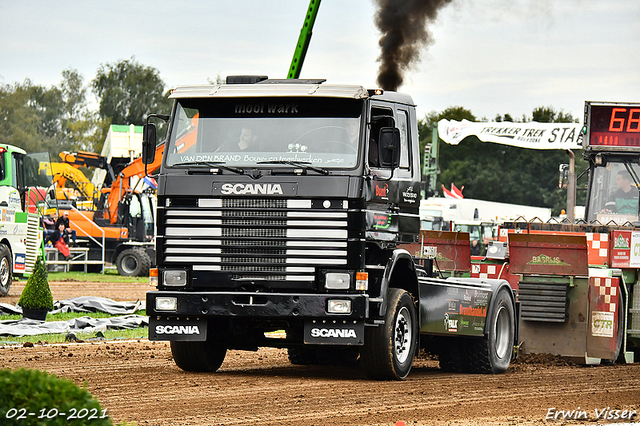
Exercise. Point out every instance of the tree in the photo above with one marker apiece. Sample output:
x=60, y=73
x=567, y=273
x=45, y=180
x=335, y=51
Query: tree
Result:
x=18, y=122
x=128, y=91
x=54, y=119
x=37, y=293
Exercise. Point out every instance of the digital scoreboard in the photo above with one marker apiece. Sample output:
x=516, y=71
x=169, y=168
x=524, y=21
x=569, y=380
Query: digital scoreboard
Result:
x=612, y=126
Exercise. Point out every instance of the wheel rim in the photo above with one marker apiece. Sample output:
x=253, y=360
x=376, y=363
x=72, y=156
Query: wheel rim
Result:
x=129, y=264
x=502, y=327
x=4, y=272
x=402, y=338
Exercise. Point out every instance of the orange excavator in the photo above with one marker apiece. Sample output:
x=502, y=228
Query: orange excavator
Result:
x=123, y=214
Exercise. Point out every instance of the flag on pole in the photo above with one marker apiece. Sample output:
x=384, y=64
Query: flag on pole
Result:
x=150, y=182
x=457, y=192
x=454, y=193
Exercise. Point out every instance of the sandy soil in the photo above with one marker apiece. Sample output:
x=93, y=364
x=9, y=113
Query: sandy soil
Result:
x=138, y=381
x=121, y=292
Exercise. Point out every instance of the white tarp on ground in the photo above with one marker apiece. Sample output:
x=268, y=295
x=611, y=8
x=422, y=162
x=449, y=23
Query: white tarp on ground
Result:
x=532, y=135
x=29, y=327
x=83, y=304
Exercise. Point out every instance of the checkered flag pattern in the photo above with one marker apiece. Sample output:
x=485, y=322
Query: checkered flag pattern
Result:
x=598, y=248
x=484, y=271
x=607, y=291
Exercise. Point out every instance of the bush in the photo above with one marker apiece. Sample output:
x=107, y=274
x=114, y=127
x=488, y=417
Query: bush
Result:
x=32, y=391
x=37, y=293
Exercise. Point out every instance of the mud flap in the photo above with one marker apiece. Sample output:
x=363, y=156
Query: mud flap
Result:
x=325, y=332
x=174, y=329
x=603, y=317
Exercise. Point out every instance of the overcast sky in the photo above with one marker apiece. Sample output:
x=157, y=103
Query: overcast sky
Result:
x=489, y=56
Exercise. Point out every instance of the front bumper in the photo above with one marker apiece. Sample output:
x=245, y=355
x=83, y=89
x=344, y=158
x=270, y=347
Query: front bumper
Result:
x=258, y=305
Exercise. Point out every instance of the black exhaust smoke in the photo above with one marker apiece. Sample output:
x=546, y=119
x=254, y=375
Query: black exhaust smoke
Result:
x=403, y=26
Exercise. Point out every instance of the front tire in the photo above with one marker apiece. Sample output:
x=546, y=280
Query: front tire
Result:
x=6, y=270
x=133, y=262
x=198, y=356
x=389, y=349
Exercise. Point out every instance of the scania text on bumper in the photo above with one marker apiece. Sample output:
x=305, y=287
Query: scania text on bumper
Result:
x=193, y=329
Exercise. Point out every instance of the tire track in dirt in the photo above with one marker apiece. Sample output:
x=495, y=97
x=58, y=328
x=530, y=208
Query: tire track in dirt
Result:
x=138, y=381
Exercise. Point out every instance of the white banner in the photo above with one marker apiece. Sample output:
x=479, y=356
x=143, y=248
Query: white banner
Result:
x=530, y=135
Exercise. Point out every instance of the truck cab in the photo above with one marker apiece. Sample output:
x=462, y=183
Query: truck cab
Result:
x=20, y=234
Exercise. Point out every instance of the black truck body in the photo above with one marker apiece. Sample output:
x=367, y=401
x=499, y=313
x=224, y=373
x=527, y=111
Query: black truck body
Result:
x=292, y=205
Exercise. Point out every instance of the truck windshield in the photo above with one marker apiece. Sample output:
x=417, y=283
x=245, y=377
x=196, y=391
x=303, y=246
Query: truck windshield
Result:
x=614, y=193
x=323, y=132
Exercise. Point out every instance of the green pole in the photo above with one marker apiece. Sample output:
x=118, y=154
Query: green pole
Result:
x=430, y=170
x=303, y=40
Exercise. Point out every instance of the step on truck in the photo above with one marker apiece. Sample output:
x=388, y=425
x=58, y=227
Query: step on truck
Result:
x=288, y=216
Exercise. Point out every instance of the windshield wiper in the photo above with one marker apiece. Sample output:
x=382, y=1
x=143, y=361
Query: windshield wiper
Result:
x=213, y=165
x=302, y=164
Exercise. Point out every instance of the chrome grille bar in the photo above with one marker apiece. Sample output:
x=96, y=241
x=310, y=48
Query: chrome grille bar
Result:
x=256, y=239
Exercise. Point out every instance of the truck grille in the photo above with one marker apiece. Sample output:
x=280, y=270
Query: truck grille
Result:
x=257, y=239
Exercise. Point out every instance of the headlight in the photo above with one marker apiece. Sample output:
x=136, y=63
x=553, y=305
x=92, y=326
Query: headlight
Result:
x=166, y=303
x=337, y=281
x=339, y=306
x=175, y=278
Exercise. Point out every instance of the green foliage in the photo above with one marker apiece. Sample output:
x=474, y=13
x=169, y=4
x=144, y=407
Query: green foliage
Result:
x=37, y=293
x=33, y=391
x=129, y=91
x=57, y=118
x=110, y=276
x=52, y=119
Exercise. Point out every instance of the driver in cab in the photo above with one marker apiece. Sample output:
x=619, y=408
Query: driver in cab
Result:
x=624, y=200
x=246, y=141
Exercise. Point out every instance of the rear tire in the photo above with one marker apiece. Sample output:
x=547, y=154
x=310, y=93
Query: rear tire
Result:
x=389, y=349
x=6, y=270
x=492, y=354
x=618, y=355
x=133, y=262
x=198, y=356
x=450, y=355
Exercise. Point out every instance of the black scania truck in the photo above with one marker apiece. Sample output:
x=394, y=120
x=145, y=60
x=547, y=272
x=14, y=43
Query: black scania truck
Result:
x=291, y=206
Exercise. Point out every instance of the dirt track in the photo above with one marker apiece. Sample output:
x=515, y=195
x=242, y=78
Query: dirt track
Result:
x=138, y=381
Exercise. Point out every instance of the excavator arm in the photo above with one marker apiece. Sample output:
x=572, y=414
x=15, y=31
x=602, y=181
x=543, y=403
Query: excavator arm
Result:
x=122, y=183
x=64, y=171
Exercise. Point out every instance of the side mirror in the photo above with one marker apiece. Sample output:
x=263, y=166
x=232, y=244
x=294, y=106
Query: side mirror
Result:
x=563, y=175
x=389, y=147
x=148, y=143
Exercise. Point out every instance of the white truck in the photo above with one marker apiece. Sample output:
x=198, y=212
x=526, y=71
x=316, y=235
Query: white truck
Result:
x=20, y=233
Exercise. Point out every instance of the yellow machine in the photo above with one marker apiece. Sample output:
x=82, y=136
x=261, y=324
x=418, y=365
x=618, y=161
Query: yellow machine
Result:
x=82, y=189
